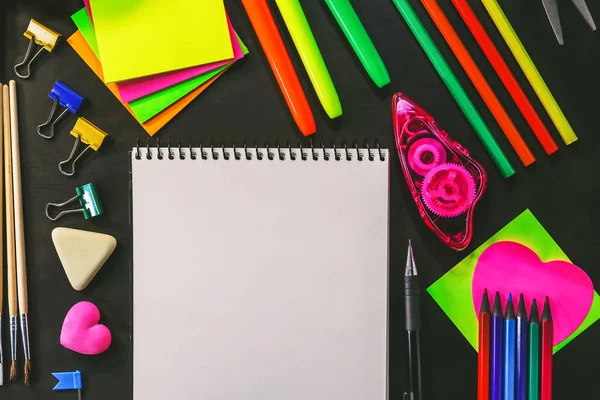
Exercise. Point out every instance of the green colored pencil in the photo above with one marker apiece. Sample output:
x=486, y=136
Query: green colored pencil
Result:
x=534, y=353
x=461, y=97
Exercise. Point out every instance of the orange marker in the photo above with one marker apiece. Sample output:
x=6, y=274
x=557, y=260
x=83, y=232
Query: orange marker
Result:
x=268, y=35
x=484, y=89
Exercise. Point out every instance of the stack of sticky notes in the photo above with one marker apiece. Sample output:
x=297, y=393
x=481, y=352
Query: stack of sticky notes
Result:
x=156, y=56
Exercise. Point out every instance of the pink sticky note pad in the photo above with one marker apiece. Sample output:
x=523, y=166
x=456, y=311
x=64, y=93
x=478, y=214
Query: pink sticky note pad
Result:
x=510, y=267
x=135, y=88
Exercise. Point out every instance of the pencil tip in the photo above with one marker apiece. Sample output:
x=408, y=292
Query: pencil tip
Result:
x=521, y=311
x=485, y=303
x=510, y=297
x=546, y=313
x=497, y=311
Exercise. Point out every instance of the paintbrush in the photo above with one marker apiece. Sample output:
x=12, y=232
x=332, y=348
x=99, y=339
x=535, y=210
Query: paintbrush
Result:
x=19, y=231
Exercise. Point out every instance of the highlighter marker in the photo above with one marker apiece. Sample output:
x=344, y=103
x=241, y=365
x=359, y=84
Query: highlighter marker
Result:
x=268, y=35
x=309, y=52
x=360, y=41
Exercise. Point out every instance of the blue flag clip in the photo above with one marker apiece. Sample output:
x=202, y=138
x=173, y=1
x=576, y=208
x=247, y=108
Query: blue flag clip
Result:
x=68, y=381
x=64, y=97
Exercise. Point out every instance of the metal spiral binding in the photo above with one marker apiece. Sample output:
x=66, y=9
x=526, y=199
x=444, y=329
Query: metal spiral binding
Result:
x=271, y=153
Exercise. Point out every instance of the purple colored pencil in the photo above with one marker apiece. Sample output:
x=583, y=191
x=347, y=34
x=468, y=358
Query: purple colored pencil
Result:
x=522, y=354
x=496, y=350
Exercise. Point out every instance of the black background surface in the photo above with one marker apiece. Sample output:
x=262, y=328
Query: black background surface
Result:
x=562, y=191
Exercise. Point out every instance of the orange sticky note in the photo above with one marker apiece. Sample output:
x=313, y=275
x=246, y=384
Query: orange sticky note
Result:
x=153, y=125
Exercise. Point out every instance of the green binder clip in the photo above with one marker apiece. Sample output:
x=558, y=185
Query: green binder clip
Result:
x=91, y=206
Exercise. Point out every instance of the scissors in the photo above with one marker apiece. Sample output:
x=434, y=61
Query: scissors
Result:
x=551, y=7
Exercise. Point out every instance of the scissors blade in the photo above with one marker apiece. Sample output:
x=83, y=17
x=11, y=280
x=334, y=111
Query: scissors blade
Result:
x=583, y=9
x=551, y=7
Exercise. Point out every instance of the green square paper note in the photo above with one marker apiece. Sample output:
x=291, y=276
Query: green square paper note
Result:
x=452, y=291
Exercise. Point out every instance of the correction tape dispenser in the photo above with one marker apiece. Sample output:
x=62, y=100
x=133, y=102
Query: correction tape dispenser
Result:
x=445, y=182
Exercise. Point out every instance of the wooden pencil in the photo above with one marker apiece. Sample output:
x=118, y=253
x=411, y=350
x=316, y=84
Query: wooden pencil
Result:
x=19, y=231
x=11, y=273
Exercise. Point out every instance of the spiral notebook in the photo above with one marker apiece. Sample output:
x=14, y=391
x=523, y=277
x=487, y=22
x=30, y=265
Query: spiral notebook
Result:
x=260, y=274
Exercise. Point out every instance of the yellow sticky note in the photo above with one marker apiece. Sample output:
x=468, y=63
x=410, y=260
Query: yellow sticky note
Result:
x=145, y=37
x=152, y=126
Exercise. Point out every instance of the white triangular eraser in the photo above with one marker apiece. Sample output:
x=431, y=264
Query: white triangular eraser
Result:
x=82, y=253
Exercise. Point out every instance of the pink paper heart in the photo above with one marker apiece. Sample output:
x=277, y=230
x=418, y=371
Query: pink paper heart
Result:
x=81, y=331
x=509, y=267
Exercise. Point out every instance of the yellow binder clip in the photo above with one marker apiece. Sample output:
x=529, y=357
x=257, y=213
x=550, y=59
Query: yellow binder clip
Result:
x=40, y=35
x=87, y=133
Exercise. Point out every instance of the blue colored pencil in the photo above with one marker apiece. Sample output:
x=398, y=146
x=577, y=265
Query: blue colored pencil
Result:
x=510, y=333
x=522, y=354
x=496, y=350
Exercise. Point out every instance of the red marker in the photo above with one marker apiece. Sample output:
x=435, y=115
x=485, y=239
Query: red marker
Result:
x=547, y=340
x=268, y=35
x=483, y=392
x=507, y=78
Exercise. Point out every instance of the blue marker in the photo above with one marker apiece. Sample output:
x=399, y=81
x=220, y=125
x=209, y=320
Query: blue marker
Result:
x=68, y=381
x=510, y=333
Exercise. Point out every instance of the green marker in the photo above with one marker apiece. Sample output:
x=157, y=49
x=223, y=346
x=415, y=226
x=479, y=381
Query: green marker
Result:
x=461, y=97
x=307, y=47
x=360, y=41
x=534, y=353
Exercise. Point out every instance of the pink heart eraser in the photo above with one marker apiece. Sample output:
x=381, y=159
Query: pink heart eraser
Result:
x=81, y=331
x=510, y=267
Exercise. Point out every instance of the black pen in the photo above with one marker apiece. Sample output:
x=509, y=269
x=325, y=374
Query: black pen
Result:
x=413, y=326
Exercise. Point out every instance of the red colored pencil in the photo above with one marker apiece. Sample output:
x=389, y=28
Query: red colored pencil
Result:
x=547, y=339
x=268, y=35
x=507, y=78
x=483, y=392
x=482, y=86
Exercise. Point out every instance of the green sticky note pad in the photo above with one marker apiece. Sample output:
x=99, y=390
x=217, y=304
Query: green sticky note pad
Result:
x=141, y=38
x=454, y=291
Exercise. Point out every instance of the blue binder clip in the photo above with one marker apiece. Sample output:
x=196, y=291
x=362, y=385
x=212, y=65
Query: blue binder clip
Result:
x=68, y=381
x=65, y=97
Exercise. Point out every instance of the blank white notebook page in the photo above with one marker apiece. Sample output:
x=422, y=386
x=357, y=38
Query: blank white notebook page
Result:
x=260, y=279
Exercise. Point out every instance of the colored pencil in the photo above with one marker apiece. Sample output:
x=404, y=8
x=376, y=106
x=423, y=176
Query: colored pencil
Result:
x=534, y=353
x=270, y=40
x=457, y=91
x=521, y=362
x=510, y=327
x=530, y=70
x=360, y=41
x=483, y=388
x=496, y=354
x=506, y=76
x=547, y=326
x=479, y=81
x=308, y=49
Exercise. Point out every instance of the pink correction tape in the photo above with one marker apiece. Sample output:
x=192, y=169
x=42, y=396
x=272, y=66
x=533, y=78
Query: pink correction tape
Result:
x=444, y=180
